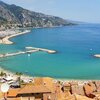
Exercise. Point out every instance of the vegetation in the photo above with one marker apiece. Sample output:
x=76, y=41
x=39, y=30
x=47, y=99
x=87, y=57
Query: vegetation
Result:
x=2, y=73
x=15, y=15
x=19, y=73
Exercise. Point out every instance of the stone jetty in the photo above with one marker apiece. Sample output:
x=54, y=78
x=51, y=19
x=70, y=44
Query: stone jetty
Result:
x=45, y=50
x=97, y=55
x=32, y=50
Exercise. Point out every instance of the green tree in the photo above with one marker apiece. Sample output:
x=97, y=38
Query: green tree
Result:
x=2, y=73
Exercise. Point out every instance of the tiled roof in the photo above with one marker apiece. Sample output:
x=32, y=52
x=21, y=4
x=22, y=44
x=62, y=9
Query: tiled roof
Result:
x=1, y=95
x=13, y=92
x=34, y=89
x=47, y=81
x=14, y=98
x=78, y=97
x=40, y=81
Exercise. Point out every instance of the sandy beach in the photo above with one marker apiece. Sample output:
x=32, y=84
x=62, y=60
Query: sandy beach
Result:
x=6, y=40
x=80, y=81
x=14, y=75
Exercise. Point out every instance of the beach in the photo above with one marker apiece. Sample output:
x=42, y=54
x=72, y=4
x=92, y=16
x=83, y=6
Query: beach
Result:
x=28, y=79
x=15, y=75
x=6, y=40
x=63, y=80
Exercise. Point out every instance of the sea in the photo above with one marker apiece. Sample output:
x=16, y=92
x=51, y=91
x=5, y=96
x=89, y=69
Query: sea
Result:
x=76, y=46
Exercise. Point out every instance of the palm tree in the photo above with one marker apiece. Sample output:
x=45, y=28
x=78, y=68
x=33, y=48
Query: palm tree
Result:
x=2, y=73
x=19, y=74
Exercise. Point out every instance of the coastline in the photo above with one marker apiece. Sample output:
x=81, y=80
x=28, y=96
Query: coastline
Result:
x=10, y=73
x=80, y=81
x=6, y=40
x=62, y=79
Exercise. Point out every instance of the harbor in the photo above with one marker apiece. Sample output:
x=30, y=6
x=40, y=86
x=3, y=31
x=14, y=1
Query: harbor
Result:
x=28, y=50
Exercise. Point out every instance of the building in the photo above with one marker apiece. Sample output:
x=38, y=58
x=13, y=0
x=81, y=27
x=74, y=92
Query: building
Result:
x=40, y=89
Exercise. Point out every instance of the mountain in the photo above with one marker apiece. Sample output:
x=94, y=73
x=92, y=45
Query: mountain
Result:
x=14, y=15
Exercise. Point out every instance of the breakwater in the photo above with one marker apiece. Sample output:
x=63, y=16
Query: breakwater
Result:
x=97, y=55
x=27, y=51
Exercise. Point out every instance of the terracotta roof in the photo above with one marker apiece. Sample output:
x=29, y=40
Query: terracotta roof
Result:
x=1, y=95
x=40, y=81
x=78, y=97
x=14, y=98
x=88, y=89
x=48, y=82
x=67, y=84
x=13, y=92
x=77, y=89
x=34, y=89
x=73, y=83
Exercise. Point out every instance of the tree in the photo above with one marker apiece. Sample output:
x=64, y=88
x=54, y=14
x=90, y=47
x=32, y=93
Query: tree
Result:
x=19, y=77
x=2, y=73
x=19, y=73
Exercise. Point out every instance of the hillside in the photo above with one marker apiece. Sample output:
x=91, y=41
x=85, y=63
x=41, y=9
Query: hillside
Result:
x=15, y=15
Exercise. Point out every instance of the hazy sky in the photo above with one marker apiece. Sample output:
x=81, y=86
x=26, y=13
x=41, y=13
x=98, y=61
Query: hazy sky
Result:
x=78, y=10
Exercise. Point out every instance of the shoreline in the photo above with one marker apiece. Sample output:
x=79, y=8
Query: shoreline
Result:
x=6, y=40
x=11, y=73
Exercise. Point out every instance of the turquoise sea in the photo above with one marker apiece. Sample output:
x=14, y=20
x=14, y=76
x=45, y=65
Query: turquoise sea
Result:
x=75, y=46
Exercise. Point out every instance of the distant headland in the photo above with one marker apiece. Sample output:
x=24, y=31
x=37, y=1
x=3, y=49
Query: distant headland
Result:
x=13, y=16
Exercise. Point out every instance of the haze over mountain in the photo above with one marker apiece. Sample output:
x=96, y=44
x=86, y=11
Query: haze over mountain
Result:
x=12, y=14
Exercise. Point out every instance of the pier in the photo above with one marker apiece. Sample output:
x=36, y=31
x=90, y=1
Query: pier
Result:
x=27, y=51
x=45, y=50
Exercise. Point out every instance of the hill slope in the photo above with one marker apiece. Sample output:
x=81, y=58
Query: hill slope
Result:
x=12, y=14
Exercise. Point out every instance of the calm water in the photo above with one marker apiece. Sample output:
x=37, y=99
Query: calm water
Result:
x=73, y=60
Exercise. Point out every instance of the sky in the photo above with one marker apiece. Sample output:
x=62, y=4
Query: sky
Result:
x=76, y=10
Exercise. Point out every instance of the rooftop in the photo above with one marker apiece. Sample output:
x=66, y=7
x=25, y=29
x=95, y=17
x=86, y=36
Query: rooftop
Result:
x=34, y=89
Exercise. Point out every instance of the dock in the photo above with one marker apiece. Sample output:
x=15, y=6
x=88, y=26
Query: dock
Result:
x=27, y=51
